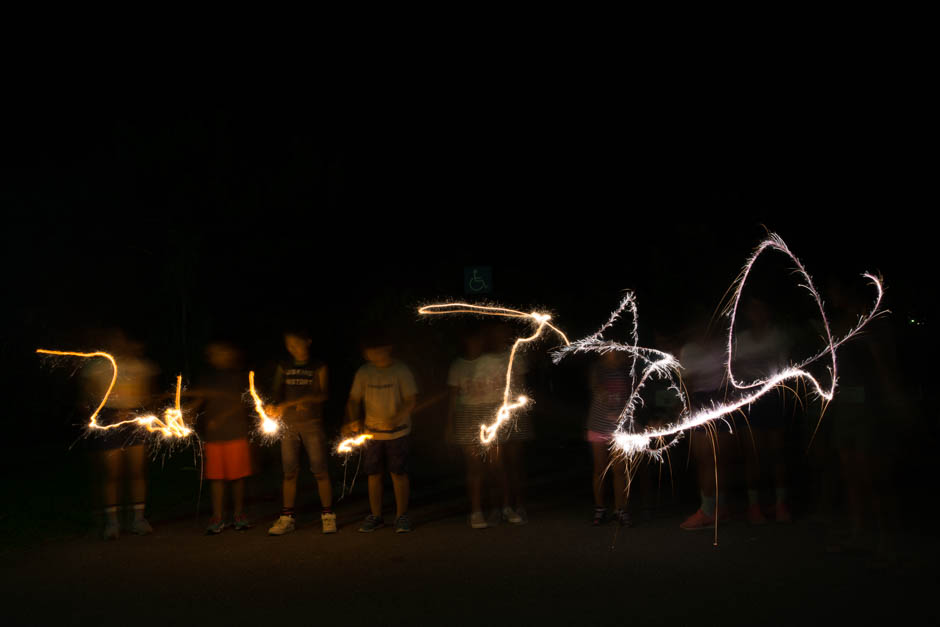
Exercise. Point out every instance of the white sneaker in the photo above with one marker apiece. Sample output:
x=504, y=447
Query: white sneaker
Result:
x=329, y=522
x=510, y=516
x=284, y=524
x=478, y=521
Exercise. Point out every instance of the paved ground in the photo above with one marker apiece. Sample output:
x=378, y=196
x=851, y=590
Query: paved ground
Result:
x=555, y=570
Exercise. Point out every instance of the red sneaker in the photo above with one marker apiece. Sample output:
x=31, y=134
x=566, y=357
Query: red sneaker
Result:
x=783, y=513
x=698, y=520
x=755, y=516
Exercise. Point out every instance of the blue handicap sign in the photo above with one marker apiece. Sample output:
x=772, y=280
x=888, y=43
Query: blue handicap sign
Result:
x=478, y=280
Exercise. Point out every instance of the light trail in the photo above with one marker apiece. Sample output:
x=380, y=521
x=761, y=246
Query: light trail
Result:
x=347, y=445
x=664, y=366
x=269, y=426
x=489, y=432
x=172, y=425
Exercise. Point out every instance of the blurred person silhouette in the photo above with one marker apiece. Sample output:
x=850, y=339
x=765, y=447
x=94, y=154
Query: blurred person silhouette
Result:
x=300, y=390
x=227, y=456
x=760, y=350
x=611, y=385
x=508, y=450
x=869, y=417
x=122, y=451
x=385, y=388
x=702, y=360
x=475, y=384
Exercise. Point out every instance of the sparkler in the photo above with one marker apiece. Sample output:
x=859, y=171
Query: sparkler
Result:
x=347, y=445
x=506, y=409
x=172, y=424
x=269, y=426
x=658, y=364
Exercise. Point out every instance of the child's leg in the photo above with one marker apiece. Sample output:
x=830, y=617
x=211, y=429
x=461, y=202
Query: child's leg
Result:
x=112, y=463
x=402, y=488
x=599, y=452
x=315, y=443
x=619, y=471
x=474, y=478
x=290, y=463
x=513, y=463
x=375, y=494
x=238, y=496
x=136, y=457
x=218, y=493
x=397, y=454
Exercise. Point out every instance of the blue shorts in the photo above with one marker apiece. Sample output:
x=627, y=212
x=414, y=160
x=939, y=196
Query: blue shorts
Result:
x=393, y=454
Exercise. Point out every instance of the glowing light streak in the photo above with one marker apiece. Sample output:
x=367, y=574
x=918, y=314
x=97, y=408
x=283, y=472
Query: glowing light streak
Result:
x=269, y=426
x=347, y=445
x=489, y=432
x=172, y=424
x=662, y=365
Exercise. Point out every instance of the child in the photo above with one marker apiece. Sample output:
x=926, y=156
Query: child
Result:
x=227, y=455
x=300, y=388
x=610, y=389
x=123, y=450
x=476, y=388
x=387, y=389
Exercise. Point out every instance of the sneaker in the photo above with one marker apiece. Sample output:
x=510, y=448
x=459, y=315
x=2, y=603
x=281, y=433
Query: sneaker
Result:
x=141, y=527
x=215, y=526
x=755, y=516
x=623, y=517
x=478, y=520
x=600, y=516
x=402, y=524
x=783, y=513
x=698, y=520
x=112, y=530
x=284, y=524
x=328, y=520
x=512, y=517
x=371, y=523
x=241, y=523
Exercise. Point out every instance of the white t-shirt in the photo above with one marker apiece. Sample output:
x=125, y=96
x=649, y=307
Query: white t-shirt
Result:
x=383, y=391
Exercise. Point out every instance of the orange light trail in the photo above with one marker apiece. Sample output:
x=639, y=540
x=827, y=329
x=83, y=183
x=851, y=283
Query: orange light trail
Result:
x=269, y=425
x=346, y=446
x=489, y=432
x=172, y=424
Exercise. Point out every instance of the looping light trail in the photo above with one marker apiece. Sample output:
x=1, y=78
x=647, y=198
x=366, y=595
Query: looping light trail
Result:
x=489, y=432
x=269, y=426
x=172, y=425
x=664, y=366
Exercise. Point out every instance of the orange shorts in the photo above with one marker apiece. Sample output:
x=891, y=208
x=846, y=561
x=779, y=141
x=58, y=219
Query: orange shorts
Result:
x=228, y=460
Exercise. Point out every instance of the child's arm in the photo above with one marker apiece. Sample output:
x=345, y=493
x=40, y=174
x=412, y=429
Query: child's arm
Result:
x=353, y=424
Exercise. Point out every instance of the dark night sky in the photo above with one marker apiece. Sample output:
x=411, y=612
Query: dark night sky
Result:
x=184, y=225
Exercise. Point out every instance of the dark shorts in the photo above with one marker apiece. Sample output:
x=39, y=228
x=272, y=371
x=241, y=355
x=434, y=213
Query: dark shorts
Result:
x=391, y=455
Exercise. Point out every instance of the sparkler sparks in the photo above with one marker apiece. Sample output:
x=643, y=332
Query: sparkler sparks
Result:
x=663, y=365
x=347, y=445
x=489, y=432
x=269, y=426
x=172, y=424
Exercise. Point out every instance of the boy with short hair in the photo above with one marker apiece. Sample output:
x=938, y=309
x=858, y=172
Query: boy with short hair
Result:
x=300, y=389
x=386, y=387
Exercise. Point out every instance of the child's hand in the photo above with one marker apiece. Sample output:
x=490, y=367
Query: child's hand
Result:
x=351, y=428
x=272, y=410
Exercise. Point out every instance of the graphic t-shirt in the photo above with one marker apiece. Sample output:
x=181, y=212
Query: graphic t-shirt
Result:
x=293, y=381
x=383, y=391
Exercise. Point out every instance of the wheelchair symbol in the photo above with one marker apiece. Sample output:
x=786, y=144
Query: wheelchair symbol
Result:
x=476, y=282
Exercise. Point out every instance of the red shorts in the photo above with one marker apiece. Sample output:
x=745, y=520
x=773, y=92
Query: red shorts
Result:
x=228, y=460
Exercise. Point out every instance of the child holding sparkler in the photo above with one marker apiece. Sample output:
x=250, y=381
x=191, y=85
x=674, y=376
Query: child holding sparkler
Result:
x=387, y=389
x=228, y=458
x=300, y=389
x=475, y=382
